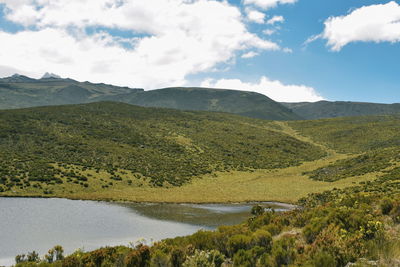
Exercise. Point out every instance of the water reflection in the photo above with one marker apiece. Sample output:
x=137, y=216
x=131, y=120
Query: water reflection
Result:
x=29, y=224
x=208, y=215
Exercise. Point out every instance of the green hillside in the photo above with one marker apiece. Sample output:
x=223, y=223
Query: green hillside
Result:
x=105, y=144
x=327, y=109
x=372, y=141
x=243, y=103
x=353, y=134
x=21, y=92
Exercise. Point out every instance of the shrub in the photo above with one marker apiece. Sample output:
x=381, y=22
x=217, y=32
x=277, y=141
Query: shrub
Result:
x=257, y=210
x=204, y=259
x=70, y=261
x=177, y=257
x=263, y=239
x=323, y=259
x=139, y=257
x=272, y=228
x=237, y=242
x=159, y=259
x=243, y=258
x=283, y=251
x=386, y=206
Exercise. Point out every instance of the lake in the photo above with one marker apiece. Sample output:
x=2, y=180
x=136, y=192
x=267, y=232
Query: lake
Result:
x=28, y=224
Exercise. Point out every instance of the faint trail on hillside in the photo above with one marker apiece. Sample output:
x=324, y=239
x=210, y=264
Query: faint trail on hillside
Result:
x=295, y=134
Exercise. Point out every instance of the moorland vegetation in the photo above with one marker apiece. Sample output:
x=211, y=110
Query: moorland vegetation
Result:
x=100, y=146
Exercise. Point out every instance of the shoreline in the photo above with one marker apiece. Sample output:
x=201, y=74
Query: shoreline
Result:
x=288, y=206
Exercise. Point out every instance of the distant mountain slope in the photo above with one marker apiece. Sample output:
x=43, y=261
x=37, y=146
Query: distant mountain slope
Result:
x=20, y=91
x=243, y=103
x=327, y=109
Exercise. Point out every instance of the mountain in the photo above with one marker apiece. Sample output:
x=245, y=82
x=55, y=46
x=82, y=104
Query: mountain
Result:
x=48, y=75
x=17, y=78
x=243, y=103
x=327, y=109
x=20, y=92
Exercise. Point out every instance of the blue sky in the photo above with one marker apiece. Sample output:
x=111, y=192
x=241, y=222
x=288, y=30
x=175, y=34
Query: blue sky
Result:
x=234, y=44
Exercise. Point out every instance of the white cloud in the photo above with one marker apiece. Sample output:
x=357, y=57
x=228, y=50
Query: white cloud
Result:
x=6, y=71
x=177, y=41
x=271, y=88
x=269, y=31
x=266, y=4
x=250, y=54
x=374, y=23
x=287, y=50
x=275, y=19
x=255, y=16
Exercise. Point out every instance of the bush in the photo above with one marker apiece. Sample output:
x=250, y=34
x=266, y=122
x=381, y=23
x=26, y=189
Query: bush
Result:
x=257, y=210
x=263, y=239
x=70, y=261
x=159, y=259
x=237, y=242
x=139, y=257
x=283, y=251
x=272, y=228
x=323, y=259
x=386, y=206
x=200, y=258
x=177, y=257
x=243, y=258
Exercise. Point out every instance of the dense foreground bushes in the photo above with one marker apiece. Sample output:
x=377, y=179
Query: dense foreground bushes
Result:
x=335, y=228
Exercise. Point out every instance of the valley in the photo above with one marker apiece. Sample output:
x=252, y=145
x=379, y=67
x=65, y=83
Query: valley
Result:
x=67, y=152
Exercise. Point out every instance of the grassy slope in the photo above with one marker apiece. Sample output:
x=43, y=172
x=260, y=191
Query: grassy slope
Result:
x=119, y=151
x=353, y=134
x=326, y=109
x=221, y=157
x=372, y=141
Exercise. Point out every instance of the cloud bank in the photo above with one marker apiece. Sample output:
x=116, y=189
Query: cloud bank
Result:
x=274, y=89
x=167, y=40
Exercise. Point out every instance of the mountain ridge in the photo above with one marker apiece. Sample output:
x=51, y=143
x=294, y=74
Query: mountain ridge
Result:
x=22, y=92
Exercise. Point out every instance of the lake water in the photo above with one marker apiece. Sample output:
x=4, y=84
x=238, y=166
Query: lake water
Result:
x=28, y=224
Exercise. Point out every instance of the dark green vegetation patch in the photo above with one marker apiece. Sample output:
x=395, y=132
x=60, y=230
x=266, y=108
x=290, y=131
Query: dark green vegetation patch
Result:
x=327, y=109
x=353, y=134
x=372, y=161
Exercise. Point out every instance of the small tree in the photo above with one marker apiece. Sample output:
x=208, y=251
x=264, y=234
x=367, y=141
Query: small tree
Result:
x=257, y=210
x=54, y=254
x=20, y=258
x=32, y=257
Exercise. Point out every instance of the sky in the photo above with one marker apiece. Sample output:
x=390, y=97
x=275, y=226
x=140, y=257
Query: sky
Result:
x=289, y=50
